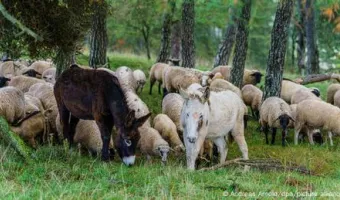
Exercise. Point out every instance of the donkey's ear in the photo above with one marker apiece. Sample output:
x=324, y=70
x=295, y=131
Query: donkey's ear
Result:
x=130, y=117
x=183, y=93
x=206, y=95
x=140, y=121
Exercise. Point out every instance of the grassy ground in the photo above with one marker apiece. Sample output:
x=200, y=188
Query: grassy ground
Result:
x=61, y=174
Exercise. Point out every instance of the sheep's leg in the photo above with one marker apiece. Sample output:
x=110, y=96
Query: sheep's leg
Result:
x=105, y=125
x=310, y=136
x=238, y=134
x=222, y=148
x=265, y=130
x=273, y=135
x=257, y=113
x=252, y=112
x=330, y=135
x=296, y=133
x=159, y=87
x=152, y=82
x=284, y=133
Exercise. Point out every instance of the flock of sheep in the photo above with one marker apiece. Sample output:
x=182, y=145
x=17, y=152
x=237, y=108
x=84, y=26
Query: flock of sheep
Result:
x=199, y=109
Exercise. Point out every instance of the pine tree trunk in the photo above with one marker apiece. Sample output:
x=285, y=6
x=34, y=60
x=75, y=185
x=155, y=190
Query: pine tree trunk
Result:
x=301, y=37
x=312, y=49
x=63, y=60
x=188, y=24
x=226, y=46
x=164, y=53
x=176, y=40
x=241, y=45
x=98, y=37
x=146, y=34
x=277, y=50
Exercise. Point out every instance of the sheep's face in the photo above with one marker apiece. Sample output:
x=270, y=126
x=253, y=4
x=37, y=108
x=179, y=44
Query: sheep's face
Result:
x=194, y=118
x=162, y=151
x=206, y=78
x=257, y=76
x=49, y=79
x=3, y=81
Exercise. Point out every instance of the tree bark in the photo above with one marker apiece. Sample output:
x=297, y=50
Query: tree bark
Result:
x=241, y=45
x=314, y=78
x=164, y=53
x=188, y=24
x=226, y=46
x=312, y=49
x=301, y=37
x=98, y=37
x=277, y=50
x=176, y=40
x=63, y=60
x=146, y=33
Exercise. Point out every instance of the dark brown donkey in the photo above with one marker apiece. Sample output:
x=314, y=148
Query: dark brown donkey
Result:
x=96, y=94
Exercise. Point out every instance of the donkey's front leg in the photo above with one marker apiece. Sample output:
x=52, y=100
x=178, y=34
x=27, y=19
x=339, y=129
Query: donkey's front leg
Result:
x=105, y=126
x=222, y=148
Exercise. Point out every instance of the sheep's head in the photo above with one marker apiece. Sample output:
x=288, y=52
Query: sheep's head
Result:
x=3, y=81
x=315, y=91
x=31, y=73
x=194, y=114
x=206, y=78
x=257, y=76
x=162, y=151
x=49, y=78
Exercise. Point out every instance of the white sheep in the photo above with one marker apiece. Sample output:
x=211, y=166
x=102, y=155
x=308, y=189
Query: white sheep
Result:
x=175, y=78
x=87, y=134
x=221, y=85
x=39, y=67
x=49, y=75
x=167, y=129
x=156, y=74
x=252, y=96
x=24, y=82
x=126, y=79
x=316, y=114
x=289, y=88
x=12, y=104
x=172, y=105
x=275, y=113
x=10, y=69
x=249, y=76
x=303, y=94
x=331, y=90
x=212, y=115
x=140, y=79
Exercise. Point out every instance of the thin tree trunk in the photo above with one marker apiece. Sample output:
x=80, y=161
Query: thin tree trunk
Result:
x=312, y=49
x=176, y=40
x=241, y=45
x=63, y=60
x=98, y=37
x=188, y=24
x=277, y=50
x=226, y=46
x=293, y=38
x=301, y=37
x=164, y=53
x=146, y=33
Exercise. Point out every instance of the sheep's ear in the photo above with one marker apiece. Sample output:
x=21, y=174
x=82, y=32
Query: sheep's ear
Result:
x=129, y=119
x=140, y=121
x=291, y=118
x=183, y=93
x=206, y=95
x=211, y=75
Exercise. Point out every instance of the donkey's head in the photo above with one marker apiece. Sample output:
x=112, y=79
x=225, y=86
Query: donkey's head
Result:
x=195, y=113
x=127, y=139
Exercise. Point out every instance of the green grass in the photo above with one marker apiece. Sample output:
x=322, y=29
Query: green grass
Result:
x=63, y=174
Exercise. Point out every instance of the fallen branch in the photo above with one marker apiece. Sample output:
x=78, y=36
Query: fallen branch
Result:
x=262, y=164
x=17, y=23
x=313, y=78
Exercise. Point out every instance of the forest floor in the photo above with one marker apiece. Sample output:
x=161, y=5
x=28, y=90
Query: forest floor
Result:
x=62, y=174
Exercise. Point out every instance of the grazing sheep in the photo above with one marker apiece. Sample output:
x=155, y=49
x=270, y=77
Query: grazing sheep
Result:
x=275, y=113
x=249, y=77
x=289, y=88
x=171, y=106
x=331, y=90
x=33, y=125
x=140, y=78
x=303, y=94
x=87, y=134
x=44, y=92
x=24, y=82
x=252, y=96
x=151, y=143
x=126, y=79
x=316, y=114
x=10, y=69
x=175, y=78
x=12, y=104
x=212, y=115
x=221, y=85
x=156, y=74
x=49, y=75
x=166, y=127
